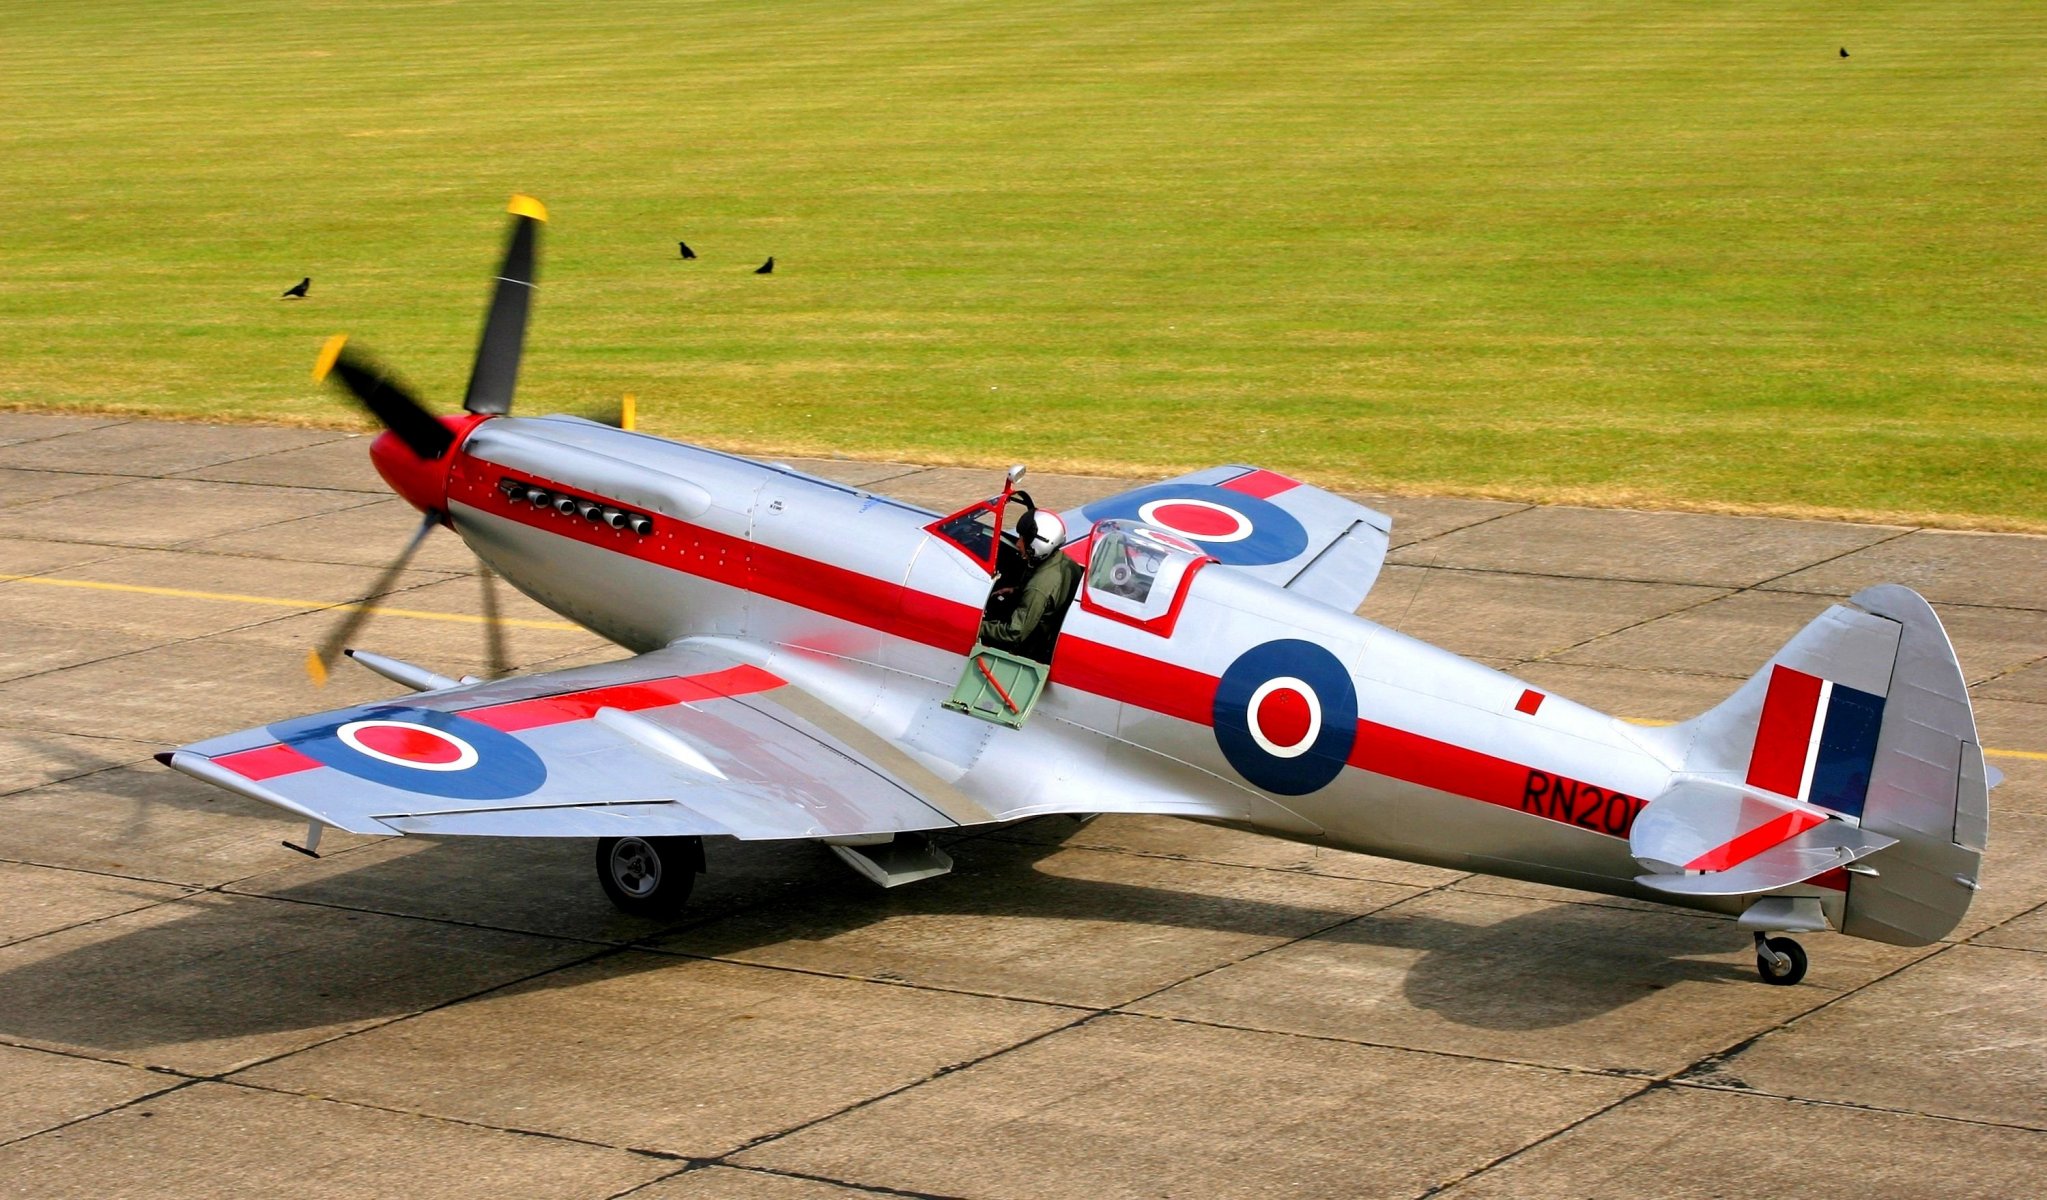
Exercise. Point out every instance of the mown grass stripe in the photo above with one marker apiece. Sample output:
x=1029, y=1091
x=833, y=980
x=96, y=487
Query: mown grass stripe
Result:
x=1648, y=253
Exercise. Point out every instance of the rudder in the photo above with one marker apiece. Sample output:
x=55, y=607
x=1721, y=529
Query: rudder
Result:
x=1930, y=788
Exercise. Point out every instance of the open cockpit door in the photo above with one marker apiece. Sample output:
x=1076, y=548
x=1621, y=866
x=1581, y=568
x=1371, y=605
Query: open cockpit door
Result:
x=998, y=686
x=995, y=685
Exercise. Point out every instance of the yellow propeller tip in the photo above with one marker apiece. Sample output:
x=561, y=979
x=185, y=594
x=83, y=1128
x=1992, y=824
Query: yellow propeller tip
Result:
x=526, y=206
x=328, y=353
x=315, y=669
x=628, y=412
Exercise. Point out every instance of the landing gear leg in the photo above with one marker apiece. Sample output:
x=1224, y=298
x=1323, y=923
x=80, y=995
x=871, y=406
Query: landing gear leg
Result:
x=649, y=877
x=1779, y=960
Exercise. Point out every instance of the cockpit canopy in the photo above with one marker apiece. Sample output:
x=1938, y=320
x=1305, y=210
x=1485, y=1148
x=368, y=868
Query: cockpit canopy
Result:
x=1136, y=573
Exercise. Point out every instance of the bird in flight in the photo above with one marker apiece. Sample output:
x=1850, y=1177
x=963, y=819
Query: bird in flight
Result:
x=1844, y=52
x=686, y=251
x=766, y=268
x=297, y=291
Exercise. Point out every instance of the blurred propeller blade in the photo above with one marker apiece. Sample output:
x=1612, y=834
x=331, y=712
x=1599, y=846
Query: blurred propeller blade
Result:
x=320, y=658
x=504, y=330
x=389, y=400
x=498, y=657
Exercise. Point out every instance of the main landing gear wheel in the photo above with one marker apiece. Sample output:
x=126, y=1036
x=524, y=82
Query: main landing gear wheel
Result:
x=649, y=877
x=1779, y=960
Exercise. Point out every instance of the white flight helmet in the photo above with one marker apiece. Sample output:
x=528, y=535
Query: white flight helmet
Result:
x=1047, y=534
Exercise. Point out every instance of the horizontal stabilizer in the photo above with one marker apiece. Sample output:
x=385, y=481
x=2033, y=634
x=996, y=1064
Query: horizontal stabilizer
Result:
x=1703, y=825
x=1819, y=849
x=1712, y=839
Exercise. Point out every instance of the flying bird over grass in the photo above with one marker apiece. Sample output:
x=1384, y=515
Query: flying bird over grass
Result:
x=297, y=291
x=766, y=268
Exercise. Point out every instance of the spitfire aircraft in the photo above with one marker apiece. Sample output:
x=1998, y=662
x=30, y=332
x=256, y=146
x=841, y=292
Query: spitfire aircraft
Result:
x=807, y=666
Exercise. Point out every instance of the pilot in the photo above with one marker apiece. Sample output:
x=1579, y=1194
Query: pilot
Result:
x=1033, y=626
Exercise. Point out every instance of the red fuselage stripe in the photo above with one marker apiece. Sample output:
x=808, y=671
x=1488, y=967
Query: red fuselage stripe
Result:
x=1413, y=758
x=736, y=562
x=1121, y=675
x=1475, y=775
x=1162, y=687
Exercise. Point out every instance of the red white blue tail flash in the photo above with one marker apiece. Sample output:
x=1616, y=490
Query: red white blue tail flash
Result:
x=1816, y=741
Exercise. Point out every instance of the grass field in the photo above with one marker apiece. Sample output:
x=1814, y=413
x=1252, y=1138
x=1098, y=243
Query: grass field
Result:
x=1648, y=253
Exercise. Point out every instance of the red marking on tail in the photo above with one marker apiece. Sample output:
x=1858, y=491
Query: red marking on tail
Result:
x=1777, y=763
x=1745, y=846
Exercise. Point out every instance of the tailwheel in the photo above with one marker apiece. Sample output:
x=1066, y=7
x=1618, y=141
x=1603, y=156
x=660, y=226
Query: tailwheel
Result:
x=1779, y=960
x=649, y=877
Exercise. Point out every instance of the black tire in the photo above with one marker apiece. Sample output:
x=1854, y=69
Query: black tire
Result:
x=649, y=877
x=1792, y=951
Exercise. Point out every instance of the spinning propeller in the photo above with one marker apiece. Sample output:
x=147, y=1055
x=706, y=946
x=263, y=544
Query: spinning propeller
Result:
x=411, y=453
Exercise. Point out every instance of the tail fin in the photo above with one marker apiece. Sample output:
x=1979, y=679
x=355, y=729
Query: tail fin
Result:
x=1856, y=740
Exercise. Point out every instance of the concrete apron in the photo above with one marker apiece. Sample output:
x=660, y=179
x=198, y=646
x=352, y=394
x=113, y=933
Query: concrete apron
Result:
x=1134, y=1007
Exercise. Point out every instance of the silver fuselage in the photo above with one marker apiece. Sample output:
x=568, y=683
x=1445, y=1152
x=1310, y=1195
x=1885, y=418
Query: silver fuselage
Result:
x=851, y=598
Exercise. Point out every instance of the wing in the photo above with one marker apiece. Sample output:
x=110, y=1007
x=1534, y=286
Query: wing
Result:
x=678, y=741
x=1302, y=538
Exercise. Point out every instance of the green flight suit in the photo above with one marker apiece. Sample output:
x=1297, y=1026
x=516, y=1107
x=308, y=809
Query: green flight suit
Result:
x=1034, y=626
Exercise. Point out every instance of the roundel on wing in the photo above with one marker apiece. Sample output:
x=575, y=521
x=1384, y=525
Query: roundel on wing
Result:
x=1240, y=530
x=418, y=750
x=1286, y=714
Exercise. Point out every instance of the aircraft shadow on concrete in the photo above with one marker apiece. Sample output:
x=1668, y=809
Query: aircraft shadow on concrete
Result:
x=1557, y=965
x=234, y=966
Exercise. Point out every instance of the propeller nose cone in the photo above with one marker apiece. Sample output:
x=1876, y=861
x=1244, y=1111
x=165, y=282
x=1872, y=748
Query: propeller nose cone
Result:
x=423, y=482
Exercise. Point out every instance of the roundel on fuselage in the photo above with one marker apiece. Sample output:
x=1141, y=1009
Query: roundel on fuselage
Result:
x=1286, y=714
x=1237, y=529
x=418, y=750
